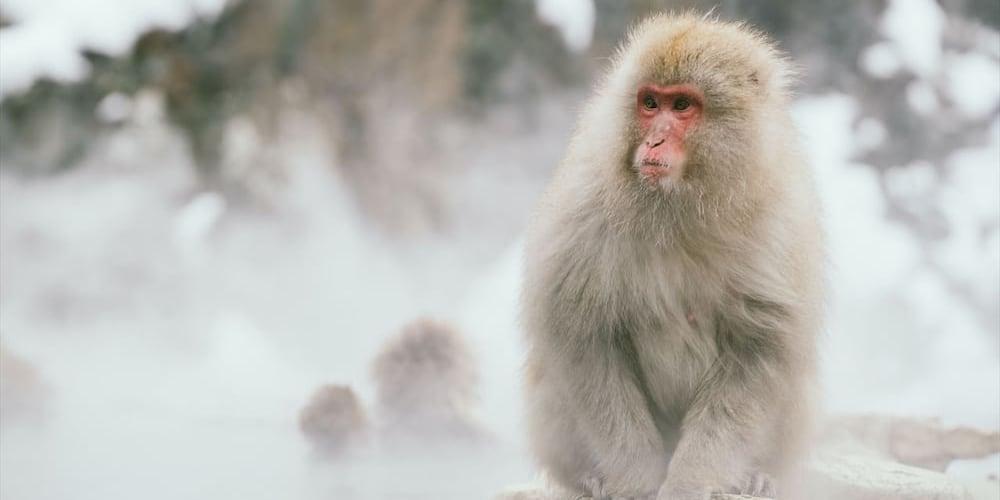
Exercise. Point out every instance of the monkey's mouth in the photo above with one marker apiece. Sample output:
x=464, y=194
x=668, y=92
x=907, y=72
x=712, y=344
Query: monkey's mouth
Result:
x=653, y=171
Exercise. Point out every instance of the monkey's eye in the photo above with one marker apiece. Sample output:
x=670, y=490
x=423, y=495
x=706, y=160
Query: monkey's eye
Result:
x=682, y=103
x=649, y=102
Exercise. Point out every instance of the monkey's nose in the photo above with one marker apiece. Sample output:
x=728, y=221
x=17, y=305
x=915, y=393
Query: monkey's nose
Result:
x=654, y=142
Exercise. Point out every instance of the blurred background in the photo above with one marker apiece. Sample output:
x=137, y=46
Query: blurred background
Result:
x=211, y=208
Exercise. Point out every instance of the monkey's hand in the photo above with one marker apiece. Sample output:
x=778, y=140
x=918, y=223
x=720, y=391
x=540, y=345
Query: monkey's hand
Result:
x=757, y=484
x=597, y=493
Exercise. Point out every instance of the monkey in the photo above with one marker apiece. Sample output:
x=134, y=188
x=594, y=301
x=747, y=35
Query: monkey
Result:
x=24, y=391
x=426, y=387
x=674, y=276
x=334, y=421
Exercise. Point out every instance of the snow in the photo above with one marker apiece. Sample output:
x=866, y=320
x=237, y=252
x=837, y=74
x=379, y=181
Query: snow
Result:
x=28, y=53
x=880, y=60
x=114, y=108
x=573, y=18
x=968, y=199
x=922, y=97
x=900, y=341
x=195, y=222
x=973, y=83
x=870, y=133
x=913, y=31
x=915, y=28
x=48, y=36
x=918, y=179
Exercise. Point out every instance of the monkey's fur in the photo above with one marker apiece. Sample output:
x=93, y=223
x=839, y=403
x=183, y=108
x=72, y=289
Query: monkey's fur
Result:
x=671, y=333
x=333, y=421
x=426, y=386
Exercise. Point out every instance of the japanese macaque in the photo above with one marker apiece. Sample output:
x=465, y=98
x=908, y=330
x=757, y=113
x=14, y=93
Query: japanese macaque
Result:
x=674, y=276
x=24, y=393
x=334, y=421
x=425, y=381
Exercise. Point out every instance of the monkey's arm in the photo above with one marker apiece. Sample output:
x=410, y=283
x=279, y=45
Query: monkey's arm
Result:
x=737, y=420
x=612, y=443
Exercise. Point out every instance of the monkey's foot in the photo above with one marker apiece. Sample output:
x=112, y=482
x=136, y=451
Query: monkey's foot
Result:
x=758, y=485
x=596, y=488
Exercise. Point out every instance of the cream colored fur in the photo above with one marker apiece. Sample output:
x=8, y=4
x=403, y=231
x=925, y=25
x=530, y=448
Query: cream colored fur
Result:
x=672, y=332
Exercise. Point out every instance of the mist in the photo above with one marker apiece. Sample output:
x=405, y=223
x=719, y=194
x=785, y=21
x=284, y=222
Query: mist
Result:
x=175, y=322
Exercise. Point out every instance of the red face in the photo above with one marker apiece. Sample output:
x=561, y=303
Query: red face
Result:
x=665, y=116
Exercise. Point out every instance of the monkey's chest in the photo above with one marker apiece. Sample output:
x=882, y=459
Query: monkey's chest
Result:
x=651, y=306
x=671, y=326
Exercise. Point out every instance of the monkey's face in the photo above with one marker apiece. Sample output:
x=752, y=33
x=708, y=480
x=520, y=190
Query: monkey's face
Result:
x=699, y=99
x=665, y=116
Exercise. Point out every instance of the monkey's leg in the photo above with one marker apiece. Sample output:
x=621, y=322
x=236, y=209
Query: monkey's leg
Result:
x=598, y=411
x=720, y=441
x=618, y=428
x=743, y=416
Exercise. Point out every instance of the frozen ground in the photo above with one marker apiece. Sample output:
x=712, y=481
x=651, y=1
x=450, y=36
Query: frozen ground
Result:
x=48, y=35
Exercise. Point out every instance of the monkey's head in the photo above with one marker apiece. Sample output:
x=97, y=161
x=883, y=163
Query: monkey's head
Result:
x=334, y=419
x=701, y=97
x=426, y=369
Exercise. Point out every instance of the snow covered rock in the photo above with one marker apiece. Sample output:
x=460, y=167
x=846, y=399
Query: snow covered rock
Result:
x=858, y=461
x=860, y=477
